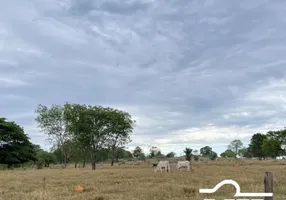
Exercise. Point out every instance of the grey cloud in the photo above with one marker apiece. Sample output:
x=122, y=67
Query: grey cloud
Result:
x=202, y=60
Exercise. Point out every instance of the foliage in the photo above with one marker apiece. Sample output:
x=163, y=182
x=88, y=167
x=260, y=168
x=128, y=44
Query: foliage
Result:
x=170, y=155
x=155, y=152
x=206, y=151
x=188, y=153
x=40, y=163
x=228, y=154
x=120, y=126
x=213, y=155
x=255, y=146
x=244, y=152
x=137, y=153
x=51, y=121
x=235, y=146
x=97, y=127
x=47, y=157
x=15, y=145
x=271, y=147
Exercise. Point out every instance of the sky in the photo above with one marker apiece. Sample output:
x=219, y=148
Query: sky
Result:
x=190, y=72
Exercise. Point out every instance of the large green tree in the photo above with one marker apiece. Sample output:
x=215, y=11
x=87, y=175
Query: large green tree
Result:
x=15, y=145
x=51, y=121
x=271, y=147
x=255, y=146
x=120, y=126
x=97, y=127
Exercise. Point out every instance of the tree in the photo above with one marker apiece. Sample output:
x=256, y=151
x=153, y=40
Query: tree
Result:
x=279, y=135
x=137, y=153
x=235, y=146
x=119, y=130
x=206, y=151
x=74, y=151
x=271, y=147
x=188, y=153
x=51, y=121
x=154, y=151
x=15, y=145
x=244, y=152
x=213, y=155
x=122, y=153
x=48, y=157
x=255, y=146
x=89, y=127
x=228, y=153
x=170, y=155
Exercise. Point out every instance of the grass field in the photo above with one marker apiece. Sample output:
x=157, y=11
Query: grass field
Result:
x=140, y=182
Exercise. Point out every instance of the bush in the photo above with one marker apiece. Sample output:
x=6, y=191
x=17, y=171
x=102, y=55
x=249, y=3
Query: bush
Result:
x=40, y=163
x=213, y=156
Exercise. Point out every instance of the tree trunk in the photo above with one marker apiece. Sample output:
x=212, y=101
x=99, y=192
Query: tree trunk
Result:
x=65, y=162
x=93, y=166
x=113, y=155
x=75, y=165
x=83, y=163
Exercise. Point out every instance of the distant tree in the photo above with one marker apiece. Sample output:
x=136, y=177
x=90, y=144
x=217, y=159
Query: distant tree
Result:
x=213, y=155
x=51, y=121
x=47, y=157
x=15, y=145
x=122, y=154
x=229, y=153
x=137, y=153
x=255, y=146
x=223, y=155
x=154, y=152
x=206, y=151
x=188, y=153
x=244, y=152
x=271, y=147
x=235, y=146
x=170, y=155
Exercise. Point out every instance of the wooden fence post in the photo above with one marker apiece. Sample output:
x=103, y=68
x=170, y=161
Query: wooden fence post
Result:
x=268, y=185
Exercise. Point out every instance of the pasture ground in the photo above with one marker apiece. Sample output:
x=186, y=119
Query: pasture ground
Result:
x=140, y=182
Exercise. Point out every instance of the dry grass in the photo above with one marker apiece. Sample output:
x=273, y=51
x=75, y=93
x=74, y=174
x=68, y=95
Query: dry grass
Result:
x=140, y=182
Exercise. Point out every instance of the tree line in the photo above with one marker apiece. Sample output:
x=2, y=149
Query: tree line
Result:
x=77, y=132
x=83, y=134
x=261, y=146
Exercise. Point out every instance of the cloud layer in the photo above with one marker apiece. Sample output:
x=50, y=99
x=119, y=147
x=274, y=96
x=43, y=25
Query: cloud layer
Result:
x=192, y=73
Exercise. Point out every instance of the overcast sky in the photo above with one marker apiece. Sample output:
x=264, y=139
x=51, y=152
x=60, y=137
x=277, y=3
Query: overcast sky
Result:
x=190, y=72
